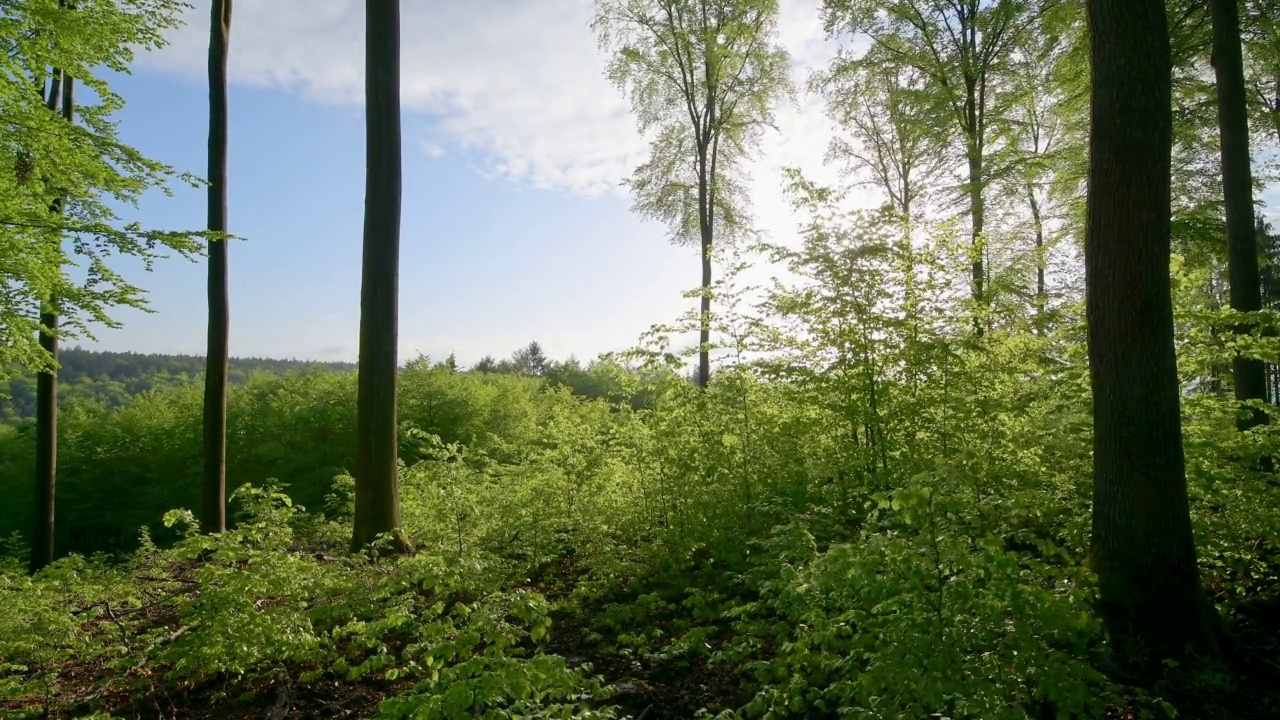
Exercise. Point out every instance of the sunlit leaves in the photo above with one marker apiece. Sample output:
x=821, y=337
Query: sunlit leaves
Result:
x=43, y=157
x=703, y=78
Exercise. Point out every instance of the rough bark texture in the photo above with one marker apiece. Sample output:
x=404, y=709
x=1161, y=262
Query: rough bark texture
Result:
x=1142, y=547
x=1237, y=187
x=377, y=498
x=213, y=516
x=42, y=543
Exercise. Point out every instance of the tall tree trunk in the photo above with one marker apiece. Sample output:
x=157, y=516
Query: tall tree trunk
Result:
x=1237, y=187
x=974, y=110
x=1038, y=224
x=977, y=211
x=213, y=517
x=42, y=544
x=1142, y=548
x=706, y=229
x=704, y=324
x=377, y=498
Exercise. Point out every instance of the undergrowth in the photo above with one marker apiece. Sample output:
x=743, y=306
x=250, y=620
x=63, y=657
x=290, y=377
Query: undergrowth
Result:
x=900, y=534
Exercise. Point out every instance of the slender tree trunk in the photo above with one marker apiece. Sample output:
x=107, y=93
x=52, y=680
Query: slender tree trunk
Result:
x=978, y=212
x=1237, y=186
x=213, y=518
x=42, y=545
x=706, y=229
x=973, y=151
x=704, y=325
x=1038, y=224
x=377, y=497
x=1142, y=547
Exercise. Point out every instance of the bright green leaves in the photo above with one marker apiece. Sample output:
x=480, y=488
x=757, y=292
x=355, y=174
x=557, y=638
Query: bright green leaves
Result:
x=42, y=156
x=916, y=616
x=703, y=79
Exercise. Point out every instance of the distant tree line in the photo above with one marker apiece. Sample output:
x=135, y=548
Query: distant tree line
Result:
x=113, y=378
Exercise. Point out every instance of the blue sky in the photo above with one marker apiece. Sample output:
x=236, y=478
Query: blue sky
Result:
x=514, y=225
x=487, y=264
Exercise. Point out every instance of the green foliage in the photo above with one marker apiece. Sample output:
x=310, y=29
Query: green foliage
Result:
x=871, y=512
x=82, y=164
x=703, y=79
x=239, y=605
x=113, y=379
x=918, y=615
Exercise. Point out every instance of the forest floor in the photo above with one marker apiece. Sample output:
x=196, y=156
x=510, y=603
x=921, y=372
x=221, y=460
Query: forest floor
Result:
x=646, y=685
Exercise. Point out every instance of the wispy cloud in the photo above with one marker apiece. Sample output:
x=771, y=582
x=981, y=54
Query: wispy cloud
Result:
x=432, y=149
x=519, y=83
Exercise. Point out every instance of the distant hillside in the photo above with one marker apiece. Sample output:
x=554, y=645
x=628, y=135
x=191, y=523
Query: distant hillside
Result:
x=113, y=377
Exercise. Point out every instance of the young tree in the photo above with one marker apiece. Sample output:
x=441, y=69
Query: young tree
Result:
x=213, y=517
x=1142, y=545
x=1036, y=129
x=703, y=76
x=377, y=496
x=1237, y=188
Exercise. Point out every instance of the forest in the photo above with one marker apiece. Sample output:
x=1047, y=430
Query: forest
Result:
x=1002, y=446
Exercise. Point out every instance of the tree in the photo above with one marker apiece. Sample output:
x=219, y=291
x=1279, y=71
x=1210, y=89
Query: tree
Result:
x=529, y=360
x=1237, y=188
x=1142, y=546
x=213, y=517
x=377, y=496
x=1262, y=43
x=703, y=77
x=486, y=364
x=84, y=161
x=884, y=109
x=961, y=49
x=1037, y=128
x=42, y=549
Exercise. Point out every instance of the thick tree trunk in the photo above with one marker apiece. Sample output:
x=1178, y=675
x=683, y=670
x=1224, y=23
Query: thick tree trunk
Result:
x=1237, y=187
x=377, y=497
x=42, y=541
x=213, y=516
x=1142, y=546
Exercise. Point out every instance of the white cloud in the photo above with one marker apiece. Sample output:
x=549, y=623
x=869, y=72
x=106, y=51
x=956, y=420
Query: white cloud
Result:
x=432, y=149
x=518, y=82
x=518, y=87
